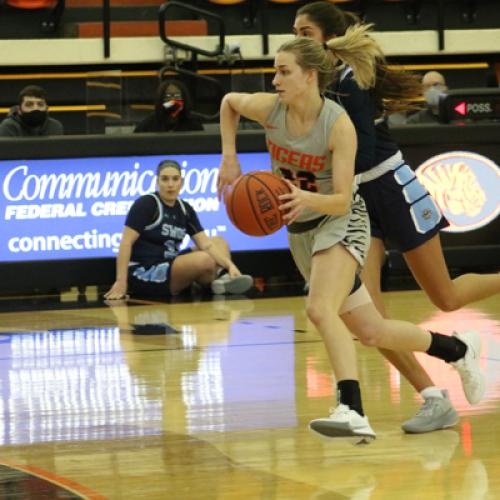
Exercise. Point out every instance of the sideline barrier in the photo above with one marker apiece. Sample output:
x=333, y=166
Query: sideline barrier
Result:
x=63, y=200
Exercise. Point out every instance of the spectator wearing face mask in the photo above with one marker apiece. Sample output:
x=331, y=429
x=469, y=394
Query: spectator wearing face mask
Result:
x=172, y=111
x=31, y=116
x=433, y=84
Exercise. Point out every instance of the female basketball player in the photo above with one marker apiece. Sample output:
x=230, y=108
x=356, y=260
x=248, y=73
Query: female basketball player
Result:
x=312, y=143
x=149, y=260
x=399, y=207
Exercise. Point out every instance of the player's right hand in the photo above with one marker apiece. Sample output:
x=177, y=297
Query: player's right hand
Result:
x=229, y=171
x=117, y=292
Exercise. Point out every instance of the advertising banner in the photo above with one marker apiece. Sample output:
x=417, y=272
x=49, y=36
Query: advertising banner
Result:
x=75, y=208
x=466, y=187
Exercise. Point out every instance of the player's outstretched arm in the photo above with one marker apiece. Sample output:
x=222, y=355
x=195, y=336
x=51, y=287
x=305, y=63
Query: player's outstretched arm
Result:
x=119, y=288
x=204, y=243
x=343, y=143
x=255, y=107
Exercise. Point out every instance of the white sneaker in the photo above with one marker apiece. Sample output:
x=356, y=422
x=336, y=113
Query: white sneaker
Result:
x=473, y=381
x=344, y=423
x=236, y=285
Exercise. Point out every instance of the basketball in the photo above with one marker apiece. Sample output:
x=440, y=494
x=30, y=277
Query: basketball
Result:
x=252, y=203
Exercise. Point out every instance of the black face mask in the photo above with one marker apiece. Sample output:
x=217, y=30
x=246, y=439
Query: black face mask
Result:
x=34, y=118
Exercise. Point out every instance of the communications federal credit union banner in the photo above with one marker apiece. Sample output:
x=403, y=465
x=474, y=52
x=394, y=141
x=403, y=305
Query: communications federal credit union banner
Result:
x=75, y=208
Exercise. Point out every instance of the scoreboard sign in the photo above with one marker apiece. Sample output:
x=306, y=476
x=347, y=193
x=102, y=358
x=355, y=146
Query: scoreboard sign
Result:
x=470, y=104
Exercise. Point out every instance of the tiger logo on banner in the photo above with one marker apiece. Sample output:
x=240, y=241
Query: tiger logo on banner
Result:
x=466, y=187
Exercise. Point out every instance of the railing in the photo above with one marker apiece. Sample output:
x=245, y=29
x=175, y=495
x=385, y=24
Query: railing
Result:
x=162, y=18
x=106, y=28
x=50, y=24
x=175, y=65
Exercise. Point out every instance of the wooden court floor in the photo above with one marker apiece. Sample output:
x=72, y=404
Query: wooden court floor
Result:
x=211, y=400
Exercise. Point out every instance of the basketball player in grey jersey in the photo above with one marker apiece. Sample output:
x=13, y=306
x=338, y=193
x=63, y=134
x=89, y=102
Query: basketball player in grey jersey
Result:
x=327, y=226
x=306, y=161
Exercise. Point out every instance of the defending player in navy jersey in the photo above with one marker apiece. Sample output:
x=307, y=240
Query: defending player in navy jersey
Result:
x=400, y=209
x=150, y=262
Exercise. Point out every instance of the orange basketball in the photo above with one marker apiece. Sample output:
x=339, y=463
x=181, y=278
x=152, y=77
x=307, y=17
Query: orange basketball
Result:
x=252, y=203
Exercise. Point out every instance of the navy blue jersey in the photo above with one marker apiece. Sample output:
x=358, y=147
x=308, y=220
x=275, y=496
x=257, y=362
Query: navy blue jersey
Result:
x=161, y=228
x=375, y=143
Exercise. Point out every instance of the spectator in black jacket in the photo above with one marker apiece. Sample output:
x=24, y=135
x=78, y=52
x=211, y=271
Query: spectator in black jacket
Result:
x=31, y=116
x=172, y=111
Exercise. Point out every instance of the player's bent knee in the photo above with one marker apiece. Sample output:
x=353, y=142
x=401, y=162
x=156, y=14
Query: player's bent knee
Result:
x=447, y=304
x=205, y=263
x=369, y=335
x=315, y=312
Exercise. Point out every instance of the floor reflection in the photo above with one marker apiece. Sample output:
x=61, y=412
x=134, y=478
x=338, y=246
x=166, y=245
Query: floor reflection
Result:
x=70, y=384
x=209, y=399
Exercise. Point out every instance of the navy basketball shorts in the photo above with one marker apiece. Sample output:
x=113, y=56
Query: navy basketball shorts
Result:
x=150, y=280
x=401, y=210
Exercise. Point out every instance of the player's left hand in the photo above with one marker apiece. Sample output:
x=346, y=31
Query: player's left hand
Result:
x=233, y=271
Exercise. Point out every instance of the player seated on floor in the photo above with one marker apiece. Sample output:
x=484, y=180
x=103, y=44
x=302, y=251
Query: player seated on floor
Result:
x=150, y=262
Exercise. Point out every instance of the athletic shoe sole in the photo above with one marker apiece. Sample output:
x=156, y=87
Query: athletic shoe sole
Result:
x=236, y=285
x=343, y=433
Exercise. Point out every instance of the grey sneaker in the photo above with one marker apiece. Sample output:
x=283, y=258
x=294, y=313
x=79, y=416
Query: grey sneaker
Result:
x=434, y=414
x=236, y=285
x=344, y=423
x=473, y=381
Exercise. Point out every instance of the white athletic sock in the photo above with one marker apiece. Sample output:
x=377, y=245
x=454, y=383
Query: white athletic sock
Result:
x=431, y=392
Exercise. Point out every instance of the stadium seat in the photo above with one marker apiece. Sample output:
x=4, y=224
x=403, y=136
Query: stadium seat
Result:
x=31, y=4
x=50, y=12
x=144, y=28
x=227, y=2
x=248, y=9
x=75, y=4
x=285, y=1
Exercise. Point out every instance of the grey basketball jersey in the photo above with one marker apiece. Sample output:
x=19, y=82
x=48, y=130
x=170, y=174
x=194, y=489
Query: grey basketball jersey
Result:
x=304, y=160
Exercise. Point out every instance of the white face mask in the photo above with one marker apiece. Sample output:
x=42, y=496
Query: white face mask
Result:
x=432, y=96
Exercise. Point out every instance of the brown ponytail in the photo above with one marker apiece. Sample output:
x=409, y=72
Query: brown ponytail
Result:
x=397, y=91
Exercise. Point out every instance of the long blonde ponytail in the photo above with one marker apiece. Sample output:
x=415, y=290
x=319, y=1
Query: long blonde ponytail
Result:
x=360, y=51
